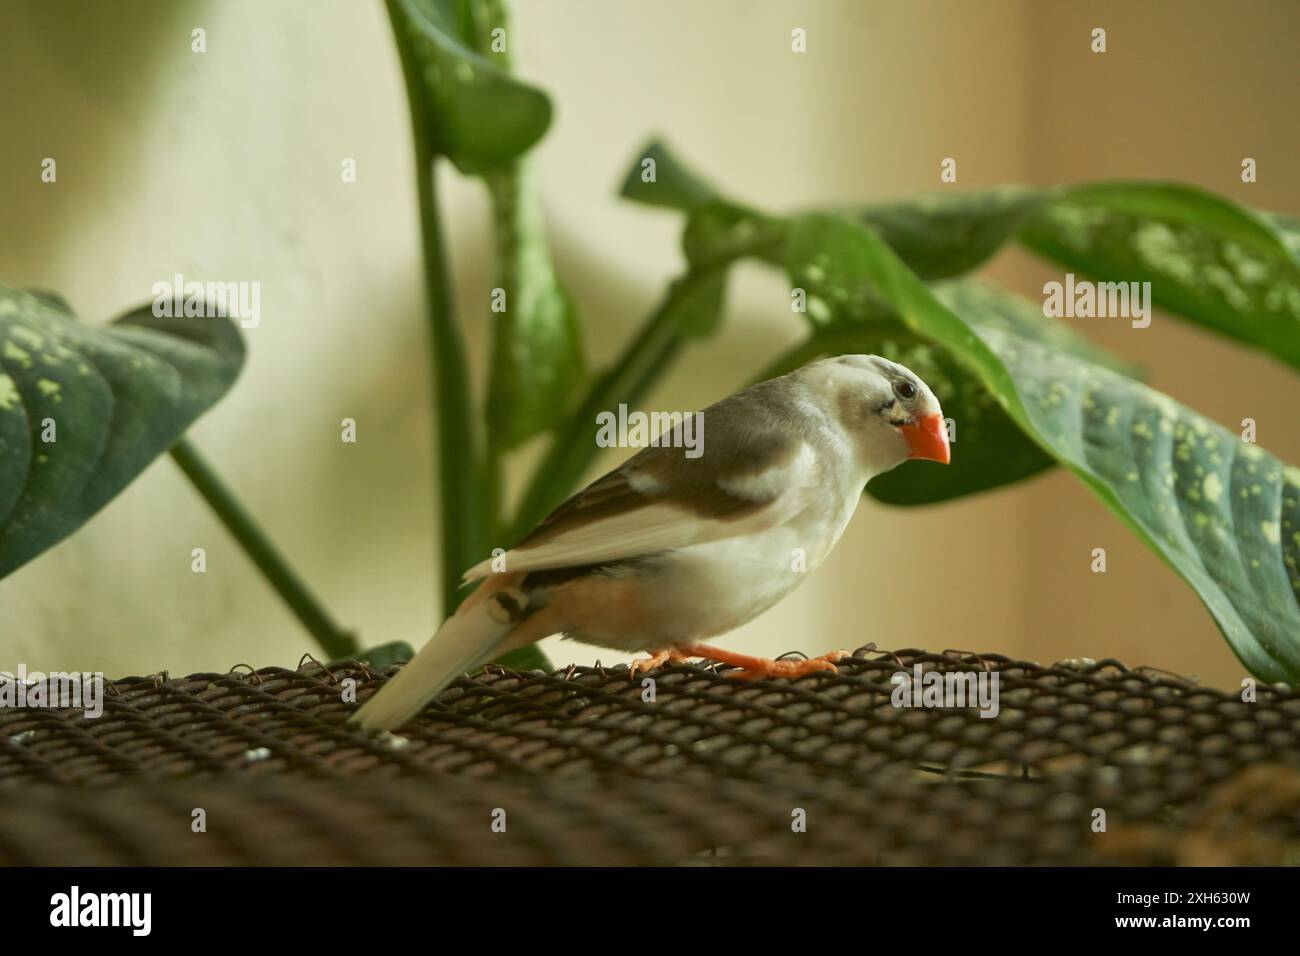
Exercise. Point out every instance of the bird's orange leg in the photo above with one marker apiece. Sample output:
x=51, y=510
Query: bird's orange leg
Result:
x=753, y=668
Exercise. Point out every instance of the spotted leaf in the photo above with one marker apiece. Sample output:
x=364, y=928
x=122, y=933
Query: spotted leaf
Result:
x=84, y=409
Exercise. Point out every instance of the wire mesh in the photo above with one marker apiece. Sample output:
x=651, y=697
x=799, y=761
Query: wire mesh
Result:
x=584, y=766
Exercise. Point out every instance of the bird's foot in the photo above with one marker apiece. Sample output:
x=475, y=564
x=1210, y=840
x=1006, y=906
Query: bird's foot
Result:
x=755, y=668
x=654, y=661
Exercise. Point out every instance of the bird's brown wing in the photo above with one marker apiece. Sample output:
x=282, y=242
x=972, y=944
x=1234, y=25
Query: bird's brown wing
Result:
x=753, y=473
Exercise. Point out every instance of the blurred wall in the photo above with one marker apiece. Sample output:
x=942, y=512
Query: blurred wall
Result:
x=226, y=165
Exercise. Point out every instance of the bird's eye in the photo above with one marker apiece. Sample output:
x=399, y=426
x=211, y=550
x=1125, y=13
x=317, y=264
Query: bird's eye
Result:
x=905, y=390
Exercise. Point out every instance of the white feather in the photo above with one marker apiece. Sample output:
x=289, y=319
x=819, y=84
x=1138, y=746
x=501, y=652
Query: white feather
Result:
x=465, y=641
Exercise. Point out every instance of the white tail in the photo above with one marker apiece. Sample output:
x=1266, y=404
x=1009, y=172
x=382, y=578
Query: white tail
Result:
x=468, y=638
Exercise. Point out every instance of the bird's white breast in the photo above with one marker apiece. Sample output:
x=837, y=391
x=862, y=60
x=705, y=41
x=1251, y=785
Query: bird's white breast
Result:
x=711, y=588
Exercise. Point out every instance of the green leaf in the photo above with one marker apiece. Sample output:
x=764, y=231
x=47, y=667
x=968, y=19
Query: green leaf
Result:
x=825, y=259
x=719, y=233
x=938, y=236
x=1224, y=266
x=995, y=309
x=945, y=235
x=537, y=359
x=116, y=397
x=1223, y=513
x=1229, y=268
x=475, y=113
x=989, y=448
x=658, y=178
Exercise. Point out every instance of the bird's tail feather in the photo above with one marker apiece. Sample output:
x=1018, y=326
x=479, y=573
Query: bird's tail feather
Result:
x=467, y=639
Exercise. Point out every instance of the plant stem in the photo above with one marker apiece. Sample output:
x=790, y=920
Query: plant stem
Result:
x=458, y=492
x=574, y=447
x=503, y=195
x=333, y=640
x=458, y=489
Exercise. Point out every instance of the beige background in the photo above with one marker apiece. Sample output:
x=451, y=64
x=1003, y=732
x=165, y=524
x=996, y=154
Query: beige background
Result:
x=226, y=165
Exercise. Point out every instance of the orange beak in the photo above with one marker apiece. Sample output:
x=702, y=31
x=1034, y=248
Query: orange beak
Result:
x=928, y=439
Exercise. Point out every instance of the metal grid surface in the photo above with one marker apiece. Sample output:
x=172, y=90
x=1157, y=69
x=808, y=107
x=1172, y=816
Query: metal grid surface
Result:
x=582, y=768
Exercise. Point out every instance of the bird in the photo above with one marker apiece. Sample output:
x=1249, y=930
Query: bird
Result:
x=672, y=549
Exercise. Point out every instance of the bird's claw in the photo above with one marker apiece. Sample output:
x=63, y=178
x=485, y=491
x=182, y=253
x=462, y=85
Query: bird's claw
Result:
x=654, y=661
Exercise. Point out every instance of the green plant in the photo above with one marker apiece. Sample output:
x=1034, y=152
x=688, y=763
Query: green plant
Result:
x=1030, y=394
x=1027, y=392
x=83, y=410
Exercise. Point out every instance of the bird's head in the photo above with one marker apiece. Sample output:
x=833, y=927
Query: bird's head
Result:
x=886, y=409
